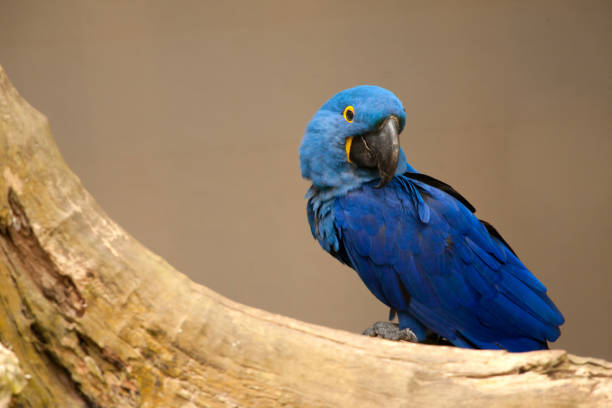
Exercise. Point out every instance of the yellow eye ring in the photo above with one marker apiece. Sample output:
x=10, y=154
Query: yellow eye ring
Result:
x=349, y=114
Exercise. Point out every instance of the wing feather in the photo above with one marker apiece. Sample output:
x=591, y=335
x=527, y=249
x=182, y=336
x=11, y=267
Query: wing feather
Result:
x=422, y=252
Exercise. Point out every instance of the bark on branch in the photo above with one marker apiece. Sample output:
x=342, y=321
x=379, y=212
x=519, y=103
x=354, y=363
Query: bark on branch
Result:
x=98, y=320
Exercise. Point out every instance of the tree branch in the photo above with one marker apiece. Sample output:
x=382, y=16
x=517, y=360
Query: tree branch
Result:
x=98, y=320
x=12, y=379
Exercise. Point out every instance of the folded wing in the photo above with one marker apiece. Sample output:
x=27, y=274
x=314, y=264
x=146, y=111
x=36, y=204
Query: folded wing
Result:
x=419, y=248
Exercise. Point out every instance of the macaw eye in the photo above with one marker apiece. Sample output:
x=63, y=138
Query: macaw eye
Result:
x=349, y=114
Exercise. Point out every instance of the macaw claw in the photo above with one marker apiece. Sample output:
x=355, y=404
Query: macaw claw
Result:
x=390, y=331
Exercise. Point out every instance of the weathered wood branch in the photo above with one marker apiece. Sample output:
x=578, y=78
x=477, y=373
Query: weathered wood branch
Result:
x=98, y=320
x=12, y=379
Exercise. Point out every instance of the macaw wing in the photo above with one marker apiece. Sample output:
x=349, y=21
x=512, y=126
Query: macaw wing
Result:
x=440, y=185
x=422, y=252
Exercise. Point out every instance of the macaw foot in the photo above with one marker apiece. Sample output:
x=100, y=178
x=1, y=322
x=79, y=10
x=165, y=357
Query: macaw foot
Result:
x=390, y=331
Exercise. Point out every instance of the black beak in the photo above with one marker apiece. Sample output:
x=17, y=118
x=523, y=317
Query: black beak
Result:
x=379, y=149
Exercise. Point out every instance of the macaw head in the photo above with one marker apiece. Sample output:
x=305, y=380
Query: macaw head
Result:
x=353, y=139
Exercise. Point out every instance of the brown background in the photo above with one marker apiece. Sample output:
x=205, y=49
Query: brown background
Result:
x=184, y=118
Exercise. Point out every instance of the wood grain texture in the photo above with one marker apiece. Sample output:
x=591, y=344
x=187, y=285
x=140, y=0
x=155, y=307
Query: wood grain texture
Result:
x=12, y=379
x=97, y=320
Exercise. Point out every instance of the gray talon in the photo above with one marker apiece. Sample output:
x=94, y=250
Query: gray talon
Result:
x=390, y=331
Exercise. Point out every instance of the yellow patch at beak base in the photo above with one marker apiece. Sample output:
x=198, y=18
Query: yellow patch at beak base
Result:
x=347, y=146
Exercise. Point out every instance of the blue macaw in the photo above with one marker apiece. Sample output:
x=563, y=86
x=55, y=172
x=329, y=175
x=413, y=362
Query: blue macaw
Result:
x=415, y=241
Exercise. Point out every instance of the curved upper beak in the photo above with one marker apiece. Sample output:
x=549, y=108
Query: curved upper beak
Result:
x=378, y=149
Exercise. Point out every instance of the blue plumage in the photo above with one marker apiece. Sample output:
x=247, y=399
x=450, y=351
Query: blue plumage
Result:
x=415, y=242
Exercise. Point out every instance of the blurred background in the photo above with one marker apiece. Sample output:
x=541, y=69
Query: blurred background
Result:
x=184, y=118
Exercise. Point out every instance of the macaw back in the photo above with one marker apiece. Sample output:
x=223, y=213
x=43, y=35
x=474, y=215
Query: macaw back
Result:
x=420, y=250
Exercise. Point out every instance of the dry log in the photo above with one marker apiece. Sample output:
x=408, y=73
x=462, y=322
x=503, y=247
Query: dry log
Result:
x=12, y=379
x=97, y=320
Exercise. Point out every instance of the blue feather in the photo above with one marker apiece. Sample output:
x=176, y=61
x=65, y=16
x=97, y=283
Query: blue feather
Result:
x=452, y=286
